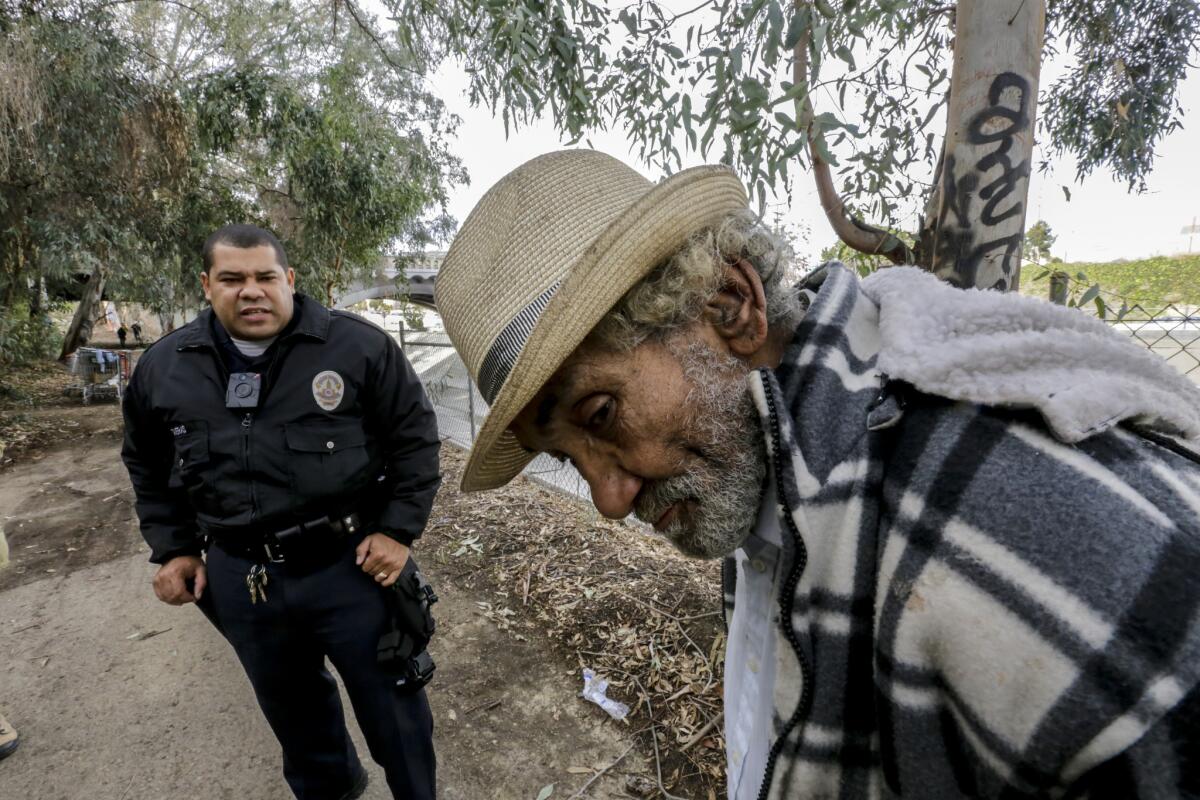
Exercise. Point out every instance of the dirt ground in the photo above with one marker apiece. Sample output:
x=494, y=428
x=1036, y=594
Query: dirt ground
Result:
x=119, y=696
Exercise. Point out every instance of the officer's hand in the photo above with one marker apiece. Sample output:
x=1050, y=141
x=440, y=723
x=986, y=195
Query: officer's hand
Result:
x=382, y=557
x=170, y=582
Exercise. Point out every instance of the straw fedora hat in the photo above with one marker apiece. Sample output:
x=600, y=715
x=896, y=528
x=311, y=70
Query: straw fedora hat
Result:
x=546, y=253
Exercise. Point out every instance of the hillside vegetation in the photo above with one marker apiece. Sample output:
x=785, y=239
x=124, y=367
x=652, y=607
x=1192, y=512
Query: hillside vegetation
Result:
x=1149, y=282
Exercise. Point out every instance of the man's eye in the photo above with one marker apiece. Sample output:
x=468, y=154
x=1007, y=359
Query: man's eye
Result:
x=602, y=415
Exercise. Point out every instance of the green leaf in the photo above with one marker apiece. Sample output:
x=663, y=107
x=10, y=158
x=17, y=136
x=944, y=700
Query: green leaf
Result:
x=1091, y=294
x=823, y=151
x=818, y=40
x=796, y=27
x=546, y=791
x=630, y=24
x=826, y=121
x=843, y=52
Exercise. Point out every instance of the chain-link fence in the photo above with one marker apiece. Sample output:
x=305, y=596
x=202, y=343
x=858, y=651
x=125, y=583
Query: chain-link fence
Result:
x=1171, y=332
x=461, y=409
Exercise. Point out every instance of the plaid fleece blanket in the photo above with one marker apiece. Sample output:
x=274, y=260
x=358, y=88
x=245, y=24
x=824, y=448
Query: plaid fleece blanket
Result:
x=971, y=608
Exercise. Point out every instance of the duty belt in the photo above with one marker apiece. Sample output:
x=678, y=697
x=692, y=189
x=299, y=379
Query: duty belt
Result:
x=297, y=542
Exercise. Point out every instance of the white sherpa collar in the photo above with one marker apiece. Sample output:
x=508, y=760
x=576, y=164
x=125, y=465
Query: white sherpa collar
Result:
x=995, y=348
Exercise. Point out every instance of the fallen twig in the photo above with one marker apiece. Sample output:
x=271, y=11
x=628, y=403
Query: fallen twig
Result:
x=700, y=734
x=596, y=777
x=487, y=705
x=654, y=740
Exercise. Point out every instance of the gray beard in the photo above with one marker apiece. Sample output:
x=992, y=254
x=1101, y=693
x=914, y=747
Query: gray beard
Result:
x=724, y=483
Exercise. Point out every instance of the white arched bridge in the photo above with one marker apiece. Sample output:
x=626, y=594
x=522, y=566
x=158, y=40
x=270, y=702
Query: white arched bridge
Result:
x=420, y=274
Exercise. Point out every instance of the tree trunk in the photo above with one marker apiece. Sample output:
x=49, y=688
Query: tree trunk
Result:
x=1060, y=285
x=38, y=299
x=16, y=279
x=977, y=213
x=166, y=321
x=80, y=330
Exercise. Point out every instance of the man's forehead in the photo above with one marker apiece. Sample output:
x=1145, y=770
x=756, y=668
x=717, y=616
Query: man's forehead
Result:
x=227, y=257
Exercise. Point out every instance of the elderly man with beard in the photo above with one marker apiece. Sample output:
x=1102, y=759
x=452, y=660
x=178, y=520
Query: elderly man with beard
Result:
x=963, y=527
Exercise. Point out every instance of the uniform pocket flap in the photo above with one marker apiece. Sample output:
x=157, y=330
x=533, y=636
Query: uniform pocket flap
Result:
x=191, y=444
x=324, y=437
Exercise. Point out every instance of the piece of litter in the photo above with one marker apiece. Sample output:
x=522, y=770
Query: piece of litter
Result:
x=595, y=689
x=139, y=636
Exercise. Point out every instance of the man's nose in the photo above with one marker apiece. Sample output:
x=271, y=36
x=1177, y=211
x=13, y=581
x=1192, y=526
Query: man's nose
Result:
x=252, y=291
x=613, y=489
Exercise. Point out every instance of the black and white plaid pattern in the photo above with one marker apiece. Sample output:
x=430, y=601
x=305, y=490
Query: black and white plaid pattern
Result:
x=974, y=609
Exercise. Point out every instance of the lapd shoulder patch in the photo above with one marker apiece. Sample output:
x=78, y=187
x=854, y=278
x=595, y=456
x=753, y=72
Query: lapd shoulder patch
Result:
x=328, y=389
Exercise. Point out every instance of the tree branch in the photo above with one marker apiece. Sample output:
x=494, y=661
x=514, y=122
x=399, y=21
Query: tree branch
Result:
x=855, y=233
x=349, y=5
x=193, y=9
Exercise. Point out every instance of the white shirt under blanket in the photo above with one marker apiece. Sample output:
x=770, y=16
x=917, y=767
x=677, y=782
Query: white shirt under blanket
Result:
x=750, y=653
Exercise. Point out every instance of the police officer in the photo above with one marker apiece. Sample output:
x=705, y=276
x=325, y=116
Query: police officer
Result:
x=299, y=444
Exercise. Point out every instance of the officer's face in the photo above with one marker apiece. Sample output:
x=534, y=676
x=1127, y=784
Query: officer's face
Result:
x=250, y=293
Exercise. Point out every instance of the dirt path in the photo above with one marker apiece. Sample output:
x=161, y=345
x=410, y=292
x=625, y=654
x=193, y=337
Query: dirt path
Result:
x=120, y=697
x=105, y=713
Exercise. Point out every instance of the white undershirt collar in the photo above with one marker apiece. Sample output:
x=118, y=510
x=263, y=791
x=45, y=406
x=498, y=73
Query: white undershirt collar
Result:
x=252, y=348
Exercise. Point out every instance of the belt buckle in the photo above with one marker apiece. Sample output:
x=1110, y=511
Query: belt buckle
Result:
x=274, y=552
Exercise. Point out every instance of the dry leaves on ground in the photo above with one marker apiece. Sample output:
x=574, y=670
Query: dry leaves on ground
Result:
x=611, y=597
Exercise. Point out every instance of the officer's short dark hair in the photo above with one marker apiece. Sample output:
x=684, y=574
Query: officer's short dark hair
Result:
x=245, y=236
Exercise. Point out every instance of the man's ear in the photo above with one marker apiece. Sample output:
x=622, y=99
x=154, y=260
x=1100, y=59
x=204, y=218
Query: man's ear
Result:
x=204, y=286
x=738, y=312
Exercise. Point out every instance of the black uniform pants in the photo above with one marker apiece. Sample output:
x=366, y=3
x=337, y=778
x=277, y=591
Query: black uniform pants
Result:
x=336, y=612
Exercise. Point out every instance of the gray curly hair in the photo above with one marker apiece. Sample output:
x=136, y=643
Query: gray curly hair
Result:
x=675, y=293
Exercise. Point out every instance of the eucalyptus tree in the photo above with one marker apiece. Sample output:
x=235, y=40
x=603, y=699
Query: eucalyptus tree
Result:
x=849, y=92
x=129, y=129
x=90, y=153
x=326, y=128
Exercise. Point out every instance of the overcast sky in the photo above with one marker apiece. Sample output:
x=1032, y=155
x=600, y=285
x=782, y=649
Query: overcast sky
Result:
x=1101, y=222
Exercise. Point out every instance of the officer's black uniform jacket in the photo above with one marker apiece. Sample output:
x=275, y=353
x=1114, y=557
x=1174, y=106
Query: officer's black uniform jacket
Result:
x=200, y=468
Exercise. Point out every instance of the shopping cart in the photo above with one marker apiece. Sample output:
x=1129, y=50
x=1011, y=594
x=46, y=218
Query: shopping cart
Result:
x=99, y=373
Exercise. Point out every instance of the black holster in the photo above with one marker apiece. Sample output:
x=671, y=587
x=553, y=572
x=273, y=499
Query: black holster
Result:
x=401, y=650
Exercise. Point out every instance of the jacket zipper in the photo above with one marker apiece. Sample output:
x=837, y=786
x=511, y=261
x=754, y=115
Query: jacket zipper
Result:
x=787, y=600
x=247, y=423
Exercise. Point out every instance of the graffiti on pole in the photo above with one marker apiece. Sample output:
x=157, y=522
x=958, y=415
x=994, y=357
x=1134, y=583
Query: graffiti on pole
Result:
x=966, y=240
